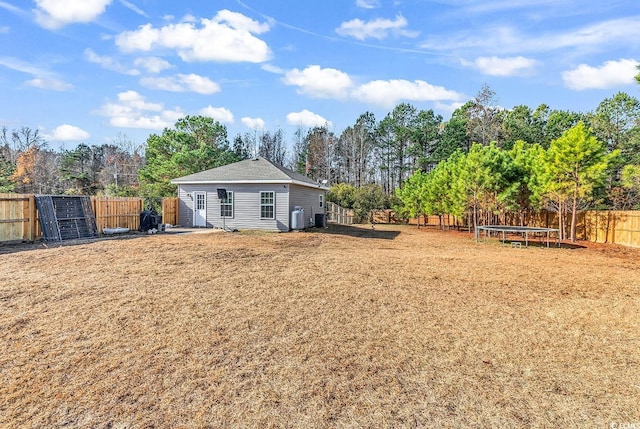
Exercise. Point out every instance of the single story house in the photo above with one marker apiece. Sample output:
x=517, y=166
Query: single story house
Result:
x=250, y=194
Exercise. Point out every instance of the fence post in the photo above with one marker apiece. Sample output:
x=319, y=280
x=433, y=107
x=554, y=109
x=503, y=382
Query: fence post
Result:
x=613, y=228
x=33, y=213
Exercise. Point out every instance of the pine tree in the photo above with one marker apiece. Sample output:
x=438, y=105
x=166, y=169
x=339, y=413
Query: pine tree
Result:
x=577, y=163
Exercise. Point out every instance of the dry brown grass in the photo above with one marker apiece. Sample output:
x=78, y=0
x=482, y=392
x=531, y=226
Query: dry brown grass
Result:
x=339, y=328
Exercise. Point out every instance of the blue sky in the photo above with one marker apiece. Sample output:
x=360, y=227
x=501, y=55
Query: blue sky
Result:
x=88, y=70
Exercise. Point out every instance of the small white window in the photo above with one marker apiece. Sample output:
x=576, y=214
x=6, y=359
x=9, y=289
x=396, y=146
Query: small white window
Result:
x=226, y=205
x=267, y=205
x=321, y=200
x=200, y=201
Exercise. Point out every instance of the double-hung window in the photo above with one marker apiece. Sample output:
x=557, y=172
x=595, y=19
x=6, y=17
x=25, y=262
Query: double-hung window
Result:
x=267, y=205
x=226, y=205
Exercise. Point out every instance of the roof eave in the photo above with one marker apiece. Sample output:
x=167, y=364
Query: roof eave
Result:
x=310, y=185
x=240, y=182
x=210, y=182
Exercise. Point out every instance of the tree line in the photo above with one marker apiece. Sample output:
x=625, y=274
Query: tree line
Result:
x=29, y=165
x=487, y=162
x=488, y=183
x=374, y=157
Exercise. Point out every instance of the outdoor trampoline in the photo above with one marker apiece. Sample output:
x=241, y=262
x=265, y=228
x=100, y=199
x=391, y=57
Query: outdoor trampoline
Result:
x=523, y=230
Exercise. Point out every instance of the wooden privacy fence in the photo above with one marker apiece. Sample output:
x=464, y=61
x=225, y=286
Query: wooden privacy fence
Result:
x=19, y=215
x=599, y=226
x=445, y=221
x=613, y=227
x=619, y=227
x=385, y=216
x=170, y=210
x=389, y=216
x=117, y=212
x=337, y=214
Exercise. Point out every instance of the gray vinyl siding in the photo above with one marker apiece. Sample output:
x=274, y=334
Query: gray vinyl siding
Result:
x=308, y=198
x=185, y=203
x=246, y=205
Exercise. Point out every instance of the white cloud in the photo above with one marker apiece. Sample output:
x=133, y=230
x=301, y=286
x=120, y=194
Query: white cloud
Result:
x=199, y=84
x=171, y=84
x=254, y=123
x=508, y=66
x=508, y=39
x=331, y=83
x=22, y=66
x=387, y=93
x=448, y=107
x=11, y=8
x=601, y=34
x=319, y=82
x=134, y=8
x=67, y=133
x=189, y=18
x=4, y=30
x=488, y=6
x=368, y=4
x=133, y=111
x=609, y=75
x=220, y=114
x=272, y=69
x=228, y=37
x=53, y=14
x=108, y=63
x=138, y=101
x=377, y=29
x=43, y=79
x=306, y=118
x=182, y=83
x=49, y=83
x=152, y=64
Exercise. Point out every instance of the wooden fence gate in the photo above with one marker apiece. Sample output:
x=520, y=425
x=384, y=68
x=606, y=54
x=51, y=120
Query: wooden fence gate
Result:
x=337, y=214
x=170, y=210
x=18, y=217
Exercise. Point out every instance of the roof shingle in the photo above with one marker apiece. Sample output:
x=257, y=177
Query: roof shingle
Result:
x=250, y=170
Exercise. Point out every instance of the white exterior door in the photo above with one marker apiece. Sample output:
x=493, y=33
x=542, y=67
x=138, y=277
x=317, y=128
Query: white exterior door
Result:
x=199, y=209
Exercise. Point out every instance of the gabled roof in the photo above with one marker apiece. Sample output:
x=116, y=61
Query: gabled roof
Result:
x=256, y=170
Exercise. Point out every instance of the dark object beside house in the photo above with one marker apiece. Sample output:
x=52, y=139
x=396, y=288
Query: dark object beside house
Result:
x=149, y=219
x=65, y=217
x=319, y=220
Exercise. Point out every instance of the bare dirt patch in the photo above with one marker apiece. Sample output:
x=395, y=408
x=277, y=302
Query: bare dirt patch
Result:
x=344, y=327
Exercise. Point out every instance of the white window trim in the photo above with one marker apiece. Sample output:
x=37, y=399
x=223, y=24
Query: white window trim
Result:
x=233, y=203
x=321, y=201
x=268, y=205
